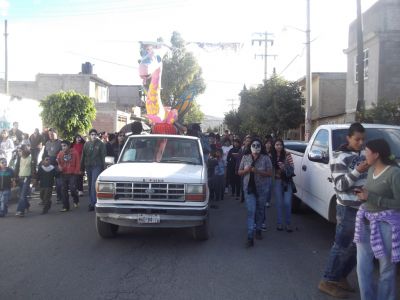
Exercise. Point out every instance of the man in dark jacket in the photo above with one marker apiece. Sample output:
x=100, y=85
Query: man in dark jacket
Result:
x=93, y=160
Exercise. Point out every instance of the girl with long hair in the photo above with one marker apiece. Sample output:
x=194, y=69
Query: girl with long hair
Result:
x=282, y=162
x=377, y=232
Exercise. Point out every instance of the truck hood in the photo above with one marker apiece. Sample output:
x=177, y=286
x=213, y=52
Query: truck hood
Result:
x=154, y=172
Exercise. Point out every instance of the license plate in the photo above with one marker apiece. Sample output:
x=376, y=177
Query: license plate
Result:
x=148, y=219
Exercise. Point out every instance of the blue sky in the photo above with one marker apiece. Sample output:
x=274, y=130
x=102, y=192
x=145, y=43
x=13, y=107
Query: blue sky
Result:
x=57, y=36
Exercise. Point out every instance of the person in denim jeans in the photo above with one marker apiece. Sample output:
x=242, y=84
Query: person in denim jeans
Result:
x=378, y=224
x=24, y=174
x=256, y=169
x=6, y=181
x=282, y=162
x=348, y=168
x=93, y=160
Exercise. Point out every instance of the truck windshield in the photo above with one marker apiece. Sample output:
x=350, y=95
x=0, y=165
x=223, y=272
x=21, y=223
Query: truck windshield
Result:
x=161, y=150
x=391, y=135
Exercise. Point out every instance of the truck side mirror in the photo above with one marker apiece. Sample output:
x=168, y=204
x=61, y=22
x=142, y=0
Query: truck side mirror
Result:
x=318, y=156
x=109, y=160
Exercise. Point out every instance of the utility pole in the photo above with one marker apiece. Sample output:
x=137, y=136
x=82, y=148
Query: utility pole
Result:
x=264, y=40
x=307, y=121
x=6, y=59
x=232, y=103
x=360, y=66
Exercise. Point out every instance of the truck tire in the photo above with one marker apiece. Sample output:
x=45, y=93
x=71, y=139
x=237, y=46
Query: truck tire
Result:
x=201, y=233
x=106, y=230
x=296, y=205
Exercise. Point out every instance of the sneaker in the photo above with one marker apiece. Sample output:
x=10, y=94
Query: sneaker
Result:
x=264, y=227
x=249, y=243
x=267, y=205
x=331, y=288
x=19, y=214
x=90, y=207
x=76, y=205
x=64, y=210
x=345, y=285
x=80, y=193
x=279, y=227
x=288, y=228
x=259, y=235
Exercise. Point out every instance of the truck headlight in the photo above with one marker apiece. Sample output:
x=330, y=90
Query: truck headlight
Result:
x=105, y=190
x=195, y=192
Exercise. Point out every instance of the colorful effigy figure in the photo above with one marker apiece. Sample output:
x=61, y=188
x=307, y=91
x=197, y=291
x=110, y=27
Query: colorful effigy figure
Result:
x=150, y=68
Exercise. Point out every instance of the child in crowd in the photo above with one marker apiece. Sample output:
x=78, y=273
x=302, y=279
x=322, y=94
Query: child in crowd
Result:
x=6, y=181
x=219, y=176
x=46, y=176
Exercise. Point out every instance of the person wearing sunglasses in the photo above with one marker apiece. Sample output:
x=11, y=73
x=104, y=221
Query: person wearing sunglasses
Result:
x=93, y=161
x=256, y=169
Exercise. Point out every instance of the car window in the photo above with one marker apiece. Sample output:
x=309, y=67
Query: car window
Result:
x=391, y=135
x=320, y=145
x=161, y=150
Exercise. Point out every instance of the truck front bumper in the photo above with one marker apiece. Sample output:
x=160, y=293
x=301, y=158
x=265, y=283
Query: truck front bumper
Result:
x=169, y=217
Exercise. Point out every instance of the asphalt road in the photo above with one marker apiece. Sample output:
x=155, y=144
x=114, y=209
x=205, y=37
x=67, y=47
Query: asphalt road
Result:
x=60, y=256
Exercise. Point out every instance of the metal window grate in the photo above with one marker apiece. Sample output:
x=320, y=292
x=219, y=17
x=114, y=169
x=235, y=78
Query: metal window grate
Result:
x=150, y=191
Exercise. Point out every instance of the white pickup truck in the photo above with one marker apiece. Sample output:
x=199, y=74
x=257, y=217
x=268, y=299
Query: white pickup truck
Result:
x=158, y=181
x=313, y=178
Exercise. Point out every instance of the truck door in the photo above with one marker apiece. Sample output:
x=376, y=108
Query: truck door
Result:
x=315, y=173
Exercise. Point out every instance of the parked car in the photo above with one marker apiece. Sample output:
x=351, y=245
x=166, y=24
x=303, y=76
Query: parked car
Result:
x=313, y=178
x=158, y=181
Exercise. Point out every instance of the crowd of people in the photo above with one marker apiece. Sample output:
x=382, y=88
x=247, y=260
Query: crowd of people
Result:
x=366, y=179
x=42, y=161
x=253, y=170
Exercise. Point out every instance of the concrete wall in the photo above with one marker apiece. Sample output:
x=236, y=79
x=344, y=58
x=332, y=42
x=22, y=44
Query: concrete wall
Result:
x=47, y=84
x=109, y=118
x=381, y=24
x=125, y=96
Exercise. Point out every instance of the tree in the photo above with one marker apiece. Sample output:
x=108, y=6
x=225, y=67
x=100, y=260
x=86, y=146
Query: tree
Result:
x=385, y=112
x=273, y=107
x=194, y=115
x=69, y=112
x=232, y=121
x=181, y=73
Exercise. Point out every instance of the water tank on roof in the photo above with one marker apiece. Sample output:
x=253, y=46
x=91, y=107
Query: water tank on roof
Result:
x=87, y=68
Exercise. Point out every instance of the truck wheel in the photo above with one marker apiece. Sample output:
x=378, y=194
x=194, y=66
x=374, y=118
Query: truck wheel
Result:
x=296, y=205
x=106, y=230
x=201, y=233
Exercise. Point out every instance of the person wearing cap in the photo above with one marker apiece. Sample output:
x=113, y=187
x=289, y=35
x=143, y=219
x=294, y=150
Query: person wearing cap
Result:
x=51, y=149
x=93, y=161
x=69, y=167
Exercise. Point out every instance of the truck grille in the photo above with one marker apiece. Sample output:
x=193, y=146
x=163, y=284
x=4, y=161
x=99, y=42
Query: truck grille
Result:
x=150, y=191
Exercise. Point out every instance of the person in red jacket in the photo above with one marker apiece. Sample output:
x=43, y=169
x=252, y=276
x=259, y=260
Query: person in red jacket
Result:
x=69, y=167
x=77, y=145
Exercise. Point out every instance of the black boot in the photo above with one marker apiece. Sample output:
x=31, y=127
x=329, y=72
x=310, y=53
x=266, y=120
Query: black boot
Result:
x=249, y=243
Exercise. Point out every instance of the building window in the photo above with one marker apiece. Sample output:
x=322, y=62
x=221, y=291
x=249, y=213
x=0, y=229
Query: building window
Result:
x=366, y=61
